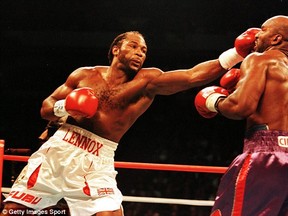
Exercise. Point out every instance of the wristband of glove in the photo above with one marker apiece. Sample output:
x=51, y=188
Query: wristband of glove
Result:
x=229, y=58
x=59, y=108
x=212, y=101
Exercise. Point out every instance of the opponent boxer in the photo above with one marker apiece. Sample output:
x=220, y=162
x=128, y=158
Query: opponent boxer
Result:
x=102, y=103
x=256, y=181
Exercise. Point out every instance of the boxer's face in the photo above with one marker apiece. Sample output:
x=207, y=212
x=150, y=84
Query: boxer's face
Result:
x=261, y=42
x=132, y=52
x=265, y=39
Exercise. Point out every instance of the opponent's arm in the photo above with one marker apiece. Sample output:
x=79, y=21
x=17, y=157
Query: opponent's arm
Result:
x=206, y=101
x=244, y=100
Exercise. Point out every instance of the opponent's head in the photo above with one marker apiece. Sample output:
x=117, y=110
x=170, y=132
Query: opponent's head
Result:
x=274, y=33
x=130, y=48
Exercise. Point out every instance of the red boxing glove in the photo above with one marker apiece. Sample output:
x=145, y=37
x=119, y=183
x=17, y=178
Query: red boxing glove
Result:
x=245, y=42
x=80, y=102
x=230, y=79
x=206, y=100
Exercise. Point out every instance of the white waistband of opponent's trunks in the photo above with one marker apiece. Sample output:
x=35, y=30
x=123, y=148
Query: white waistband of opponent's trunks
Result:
x=68, y=128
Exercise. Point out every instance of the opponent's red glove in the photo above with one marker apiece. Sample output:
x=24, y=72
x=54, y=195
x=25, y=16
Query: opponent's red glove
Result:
x=206, y=100
x=80, y=102
x=230, y=79
x=244, y=44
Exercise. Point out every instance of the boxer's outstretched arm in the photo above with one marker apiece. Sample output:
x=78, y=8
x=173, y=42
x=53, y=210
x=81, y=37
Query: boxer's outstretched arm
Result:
x=171, y=82
x=174, y=81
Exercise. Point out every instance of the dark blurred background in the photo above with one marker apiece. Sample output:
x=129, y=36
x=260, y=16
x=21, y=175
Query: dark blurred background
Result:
x=42, y=42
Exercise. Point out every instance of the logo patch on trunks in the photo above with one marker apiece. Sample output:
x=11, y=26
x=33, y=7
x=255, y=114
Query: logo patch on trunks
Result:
x=105, y=191
x=283, y=141
x=25, y=197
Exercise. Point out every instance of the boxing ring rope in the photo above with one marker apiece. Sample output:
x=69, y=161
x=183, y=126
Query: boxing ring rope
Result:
x=135, y=165
x=146, y=166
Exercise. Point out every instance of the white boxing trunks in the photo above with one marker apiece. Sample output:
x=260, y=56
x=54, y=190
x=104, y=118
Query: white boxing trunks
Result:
x=73, y=164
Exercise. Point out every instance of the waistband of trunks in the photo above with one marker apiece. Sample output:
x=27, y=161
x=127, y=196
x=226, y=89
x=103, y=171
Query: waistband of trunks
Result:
x=255, y=128
x=79, y=132
x=264, y=140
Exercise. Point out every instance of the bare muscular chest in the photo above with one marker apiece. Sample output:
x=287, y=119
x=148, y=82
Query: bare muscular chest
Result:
x=109, y=98
x=116, y=97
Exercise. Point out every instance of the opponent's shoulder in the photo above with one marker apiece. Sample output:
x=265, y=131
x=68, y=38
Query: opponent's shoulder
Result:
x=265, y=58
x=266, y=55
